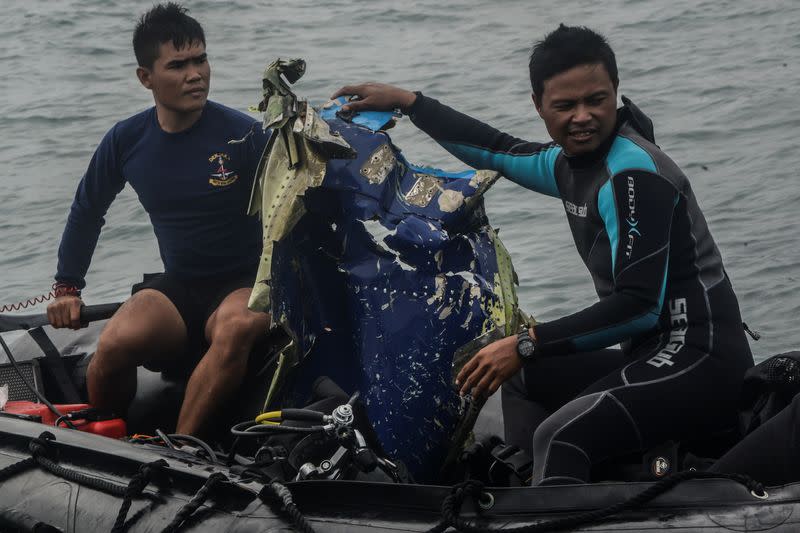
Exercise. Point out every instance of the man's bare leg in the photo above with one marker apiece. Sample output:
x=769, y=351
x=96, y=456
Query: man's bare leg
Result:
x=146, y=327
x=231, y=330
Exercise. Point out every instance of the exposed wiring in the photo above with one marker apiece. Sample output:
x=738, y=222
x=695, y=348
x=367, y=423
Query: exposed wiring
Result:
x=206, y=448
x=163, y=436
x=32, y=388
x=168, y=439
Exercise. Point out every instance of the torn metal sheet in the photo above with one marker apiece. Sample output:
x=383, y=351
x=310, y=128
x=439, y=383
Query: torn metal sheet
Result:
x=384, y=274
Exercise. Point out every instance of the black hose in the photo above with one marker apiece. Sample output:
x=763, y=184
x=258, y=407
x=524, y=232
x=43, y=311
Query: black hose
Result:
x=31, y=387
x=302, y=415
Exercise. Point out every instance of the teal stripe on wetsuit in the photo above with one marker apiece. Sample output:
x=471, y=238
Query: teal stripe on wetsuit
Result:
x=627, y=155
x=533, y=171
x=624, y=155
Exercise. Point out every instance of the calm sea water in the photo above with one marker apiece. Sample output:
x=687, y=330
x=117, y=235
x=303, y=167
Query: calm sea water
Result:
x=721, y=80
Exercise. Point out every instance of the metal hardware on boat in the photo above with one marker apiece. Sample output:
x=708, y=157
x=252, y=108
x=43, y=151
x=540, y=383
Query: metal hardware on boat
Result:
x=304, y=471
x=486, y=501
x=763, y=495
x=343, y=415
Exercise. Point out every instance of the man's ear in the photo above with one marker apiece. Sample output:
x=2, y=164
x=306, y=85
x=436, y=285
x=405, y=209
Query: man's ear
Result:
x=144, y=77
x=536, y=104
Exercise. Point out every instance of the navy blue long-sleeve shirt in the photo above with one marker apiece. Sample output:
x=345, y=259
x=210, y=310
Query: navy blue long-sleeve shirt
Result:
x=194, y=185
x=637, y=227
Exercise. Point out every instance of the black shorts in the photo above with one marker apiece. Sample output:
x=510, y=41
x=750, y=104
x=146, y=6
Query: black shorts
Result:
x=196, y=300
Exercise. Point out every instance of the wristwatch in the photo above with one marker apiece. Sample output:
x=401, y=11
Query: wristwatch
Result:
x=526, y=346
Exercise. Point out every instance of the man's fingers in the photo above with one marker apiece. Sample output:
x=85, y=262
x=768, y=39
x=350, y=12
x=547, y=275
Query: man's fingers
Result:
x=357, y=105
x=66, y=319
x=51, y=315
x=494, y=386
x=467, y=369
x=472, y=378
x=75, y=316
x=347, y=90
x=483, y=385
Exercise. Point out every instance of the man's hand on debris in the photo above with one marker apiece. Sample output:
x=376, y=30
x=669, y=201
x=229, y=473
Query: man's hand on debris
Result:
x=376, y=97
x=490, y=367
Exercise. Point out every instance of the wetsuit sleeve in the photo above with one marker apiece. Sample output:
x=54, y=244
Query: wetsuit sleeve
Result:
x=636, y=208
x=529, y=164
x=98, y=188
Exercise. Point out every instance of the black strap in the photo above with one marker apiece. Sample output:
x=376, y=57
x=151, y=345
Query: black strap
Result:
x=55, y=365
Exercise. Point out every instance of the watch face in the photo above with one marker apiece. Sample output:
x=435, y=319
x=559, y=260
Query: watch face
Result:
x=525, y=348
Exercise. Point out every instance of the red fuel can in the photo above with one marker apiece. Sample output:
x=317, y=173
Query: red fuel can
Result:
x=113, y=428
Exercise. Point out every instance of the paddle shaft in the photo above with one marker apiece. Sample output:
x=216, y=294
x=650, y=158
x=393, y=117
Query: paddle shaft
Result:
x=89, y=313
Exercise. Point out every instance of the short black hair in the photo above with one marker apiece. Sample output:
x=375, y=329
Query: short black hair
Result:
x=164, y=23
x=567, y=47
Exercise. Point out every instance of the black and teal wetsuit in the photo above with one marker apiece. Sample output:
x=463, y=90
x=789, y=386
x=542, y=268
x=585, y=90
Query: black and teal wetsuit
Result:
x=663, y=294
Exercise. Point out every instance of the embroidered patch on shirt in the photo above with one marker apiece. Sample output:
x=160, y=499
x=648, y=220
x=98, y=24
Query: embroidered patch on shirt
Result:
x=222, y=177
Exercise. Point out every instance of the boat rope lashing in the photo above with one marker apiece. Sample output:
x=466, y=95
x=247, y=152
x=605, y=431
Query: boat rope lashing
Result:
x=40, y=448
x=194, y=504
x=135, y=487
x=451, y=505
x=15, y=468
x=281, y=492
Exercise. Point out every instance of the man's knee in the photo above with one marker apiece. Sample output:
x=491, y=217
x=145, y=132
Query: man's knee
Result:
x=146, y=327
x=115, y=351
x=236, y=325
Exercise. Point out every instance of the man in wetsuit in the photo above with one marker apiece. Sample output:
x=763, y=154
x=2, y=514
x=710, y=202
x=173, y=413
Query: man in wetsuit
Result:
x=664, y=294
x=195, y=186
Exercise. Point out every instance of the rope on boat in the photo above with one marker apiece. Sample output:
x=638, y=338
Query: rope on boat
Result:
x=16, y=468
x=285, y=496
x=39, y=449
x=195, y=503
x=451, y=505
x=135, y=488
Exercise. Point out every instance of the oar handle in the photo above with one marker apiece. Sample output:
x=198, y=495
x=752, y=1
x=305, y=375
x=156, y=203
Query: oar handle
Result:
x=89, y=313
x=93, y=313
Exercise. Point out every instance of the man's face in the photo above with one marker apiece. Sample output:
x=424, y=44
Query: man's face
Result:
x=179, y=79
x=579, y=108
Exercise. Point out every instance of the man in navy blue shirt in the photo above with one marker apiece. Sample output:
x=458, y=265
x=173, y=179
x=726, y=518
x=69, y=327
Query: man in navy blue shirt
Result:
x=194, y=185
